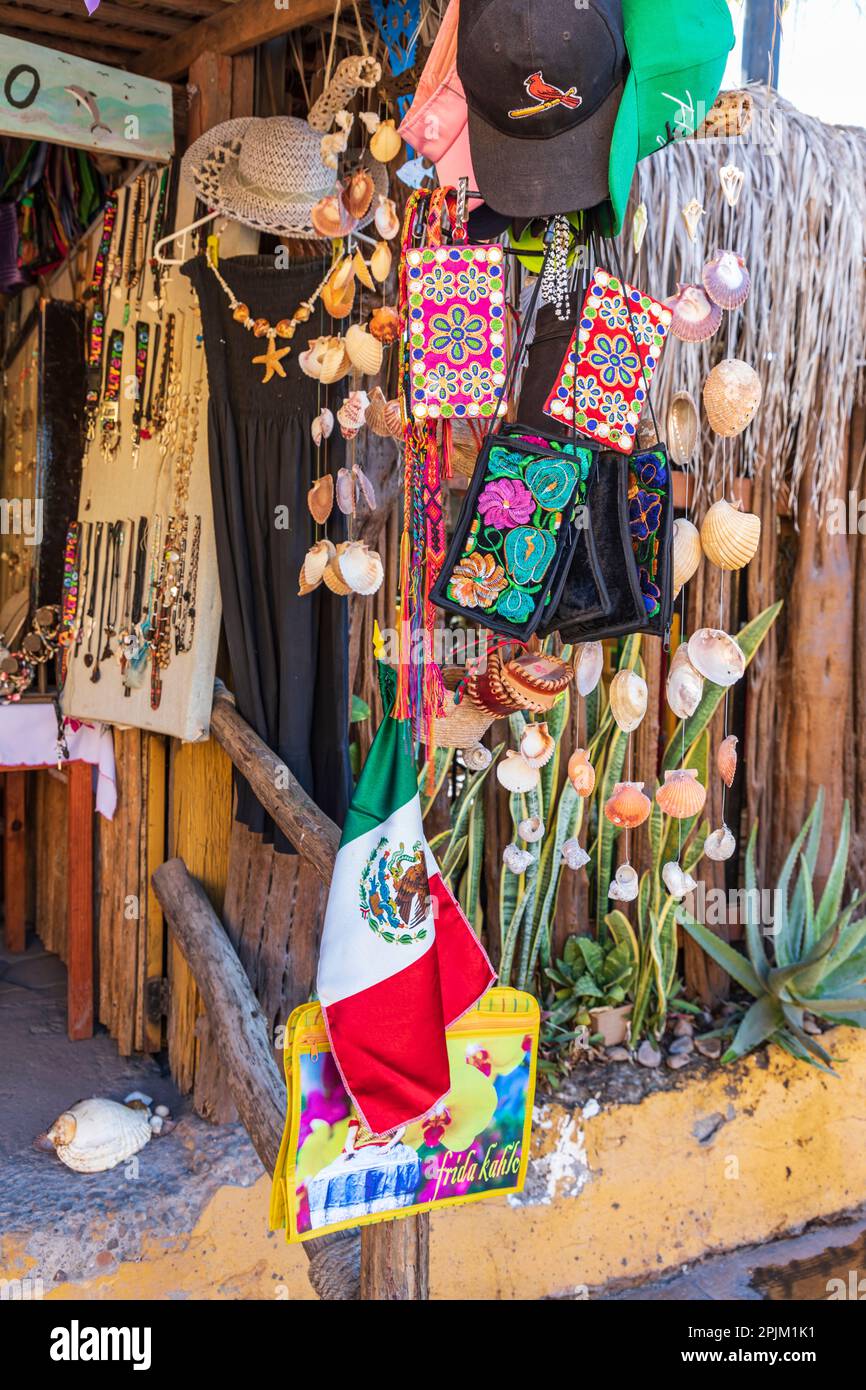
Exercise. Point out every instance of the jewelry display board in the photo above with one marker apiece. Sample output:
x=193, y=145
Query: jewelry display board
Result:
x=141, y=571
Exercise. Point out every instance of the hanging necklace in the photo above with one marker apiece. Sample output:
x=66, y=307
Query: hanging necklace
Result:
x=271, y=358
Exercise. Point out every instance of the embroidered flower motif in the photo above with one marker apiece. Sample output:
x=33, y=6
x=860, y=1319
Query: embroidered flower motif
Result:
x=644, y=514
x=651, y=469
x=505, y=503
x=651, y=592
x=528, y=552
x=615, y=360
x=477, y=581
x=551, y=482
x=439, y=285
x=505, y=463
x=644, y=328
x=456, y=334
x=515, y=605
x=476, y=381
x=613, y=311
x=615, y=407
x=441, y=382
x=472, y=284
x=587, y=393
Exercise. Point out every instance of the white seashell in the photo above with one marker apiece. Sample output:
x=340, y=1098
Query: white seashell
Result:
x=360, y=567
x=139, y=1096
x=531, y=830
x=590, y=664
x=515, y=774
x=315, y=563
x=386, y=218
x=364, y=350
x=684, y=686
x=322, y=426
x=477, y=758
x=162, y=1110
x=574, y=856
x=732, y=394
x=515, y=859
x=628, y=699
x=537, y=745
x=720, y=844
x=370, y=121
x=732, y=178
x=716, y=655
x=626, y=884
x=156, y=1123
x=96, y=1134
x=729, y=535
x=676, y=880
x=688, y=552
x=352, y=413
x=682, y=428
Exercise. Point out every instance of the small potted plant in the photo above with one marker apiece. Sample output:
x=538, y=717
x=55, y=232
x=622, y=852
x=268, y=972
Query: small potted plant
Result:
x=592, y=983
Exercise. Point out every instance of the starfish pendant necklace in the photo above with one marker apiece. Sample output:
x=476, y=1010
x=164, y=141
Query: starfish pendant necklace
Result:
x=272, y=357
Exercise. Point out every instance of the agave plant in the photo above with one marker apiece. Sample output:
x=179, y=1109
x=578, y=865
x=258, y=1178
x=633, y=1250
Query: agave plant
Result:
x=817, y=963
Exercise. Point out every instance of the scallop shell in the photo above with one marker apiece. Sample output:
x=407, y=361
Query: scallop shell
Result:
x=581, y=773
x=331, y=218
x=628, y=699
x=357, y=194
x=477, y=758
x=681, y=795
x=590, y=663
x=322, y=427
x=360, y=569
x=320, y=498
x=336, y=362
x=537, y=745
x=515, y=859
x=351, y=415
x=337, y=299
x=531, y=829
x=727, y=280
x=684, y=687
x=315, y=563
x=394, y=419
x=515, y=773
x=625, y=885
x=345, y=492
x=375, y=418
x=694, y=315
x=386, y=142
x=732, y=394
x=683, y=427
x=720, y=844
x=716, y=655
x=688, y=552
x=386, y=219
x=729, y=535
x=677, y=881
x=726, y=759
x=364, y=350
x=380, y=262
x=385, y=324
x=628, y=806
x=574, y=856
x=96, y=1134
x=362, y=272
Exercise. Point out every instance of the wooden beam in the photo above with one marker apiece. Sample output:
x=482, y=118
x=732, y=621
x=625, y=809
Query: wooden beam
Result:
x=234, y=30
x=147, y=21
x=112, y=57
x=87, y=30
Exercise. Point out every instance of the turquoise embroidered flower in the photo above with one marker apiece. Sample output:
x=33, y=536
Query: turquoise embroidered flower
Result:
x=476, y=381
x=457, y=334
x=472, y=284
x=551, y=482
x=615, y=360
x=515, y=605
x=503, y=463
x=528, y=552
x=441, y=382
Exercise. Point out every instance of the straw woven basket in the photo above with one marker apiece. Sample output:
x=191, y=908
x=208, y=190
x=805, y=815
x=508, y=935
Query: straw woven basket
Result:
x=461, y=725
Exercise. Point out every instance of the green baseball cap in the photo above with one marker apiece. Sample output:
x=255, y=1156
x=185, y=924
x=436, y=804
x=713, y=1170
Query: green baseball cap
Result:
x=677, y=51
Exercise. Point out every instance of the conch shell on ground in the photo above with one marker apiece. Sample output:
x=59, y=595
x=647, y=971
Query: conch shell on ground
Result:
x=628, y=699
x=729, y=535
x=717, y=656
x=96, y=1134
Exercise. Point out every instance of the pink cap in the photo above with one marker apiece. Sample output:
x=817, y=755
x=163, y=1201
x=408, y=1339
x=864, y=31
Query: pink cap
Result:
x=436, y=124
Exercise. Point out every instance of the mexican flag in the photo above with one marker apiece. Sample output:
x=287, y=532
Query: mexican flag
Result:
x=399, y=961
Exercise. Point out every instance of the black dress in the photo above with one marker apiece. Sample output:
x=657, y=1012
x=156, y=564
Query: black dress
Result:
x=289, y=655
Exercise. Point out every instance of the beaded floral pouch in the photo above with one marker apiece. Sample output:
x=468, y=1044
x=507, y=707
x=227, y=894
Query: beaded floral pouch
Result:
x=604, y=379
x=456, y=331
x=515, y=523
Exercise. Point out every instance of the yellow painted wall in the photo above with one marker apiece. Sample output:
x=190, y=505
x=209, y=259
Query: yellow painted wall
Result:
x=628, y=1193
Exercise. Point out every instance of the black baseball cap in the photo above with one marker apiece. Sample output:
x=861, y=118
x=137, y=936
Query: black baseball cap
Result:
x=543, y=81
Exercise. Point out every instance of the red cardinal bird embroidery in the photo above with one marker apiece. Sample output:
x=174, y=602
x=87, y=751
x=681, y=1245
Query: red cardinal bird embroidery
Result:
x=545, y=96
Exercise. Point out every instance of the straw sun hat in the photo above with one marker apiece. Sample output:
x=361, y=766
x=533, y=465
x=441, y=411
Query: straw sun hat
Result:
x=265, y=172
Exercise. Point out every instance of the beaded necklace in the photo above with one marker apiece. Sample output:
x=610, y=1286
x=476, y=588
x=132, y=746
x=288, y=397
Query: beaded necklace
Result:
x=271, y=358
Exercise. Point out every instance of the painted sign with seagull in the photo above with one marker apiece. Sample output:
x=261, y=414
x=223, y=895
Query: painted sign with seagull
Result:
x=46, y=95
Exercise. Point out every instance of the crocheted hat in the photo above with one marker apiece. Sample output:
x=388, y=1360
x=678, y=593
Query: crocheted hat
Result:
x=265, y=172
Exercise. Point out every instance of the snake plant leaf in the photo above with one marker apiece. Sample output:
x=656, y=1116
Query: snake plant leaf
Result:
x=723, y=954
x=759, y=1023
x=693, y=853
x=749, y=638
x=607, y=833
x=471, y=886
x=623, y=933
x=786, y=939
x=440, y=842
x=469, y=794
x=442, y=760
x=569, y=816
x=453, y=860
x=557, y=718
